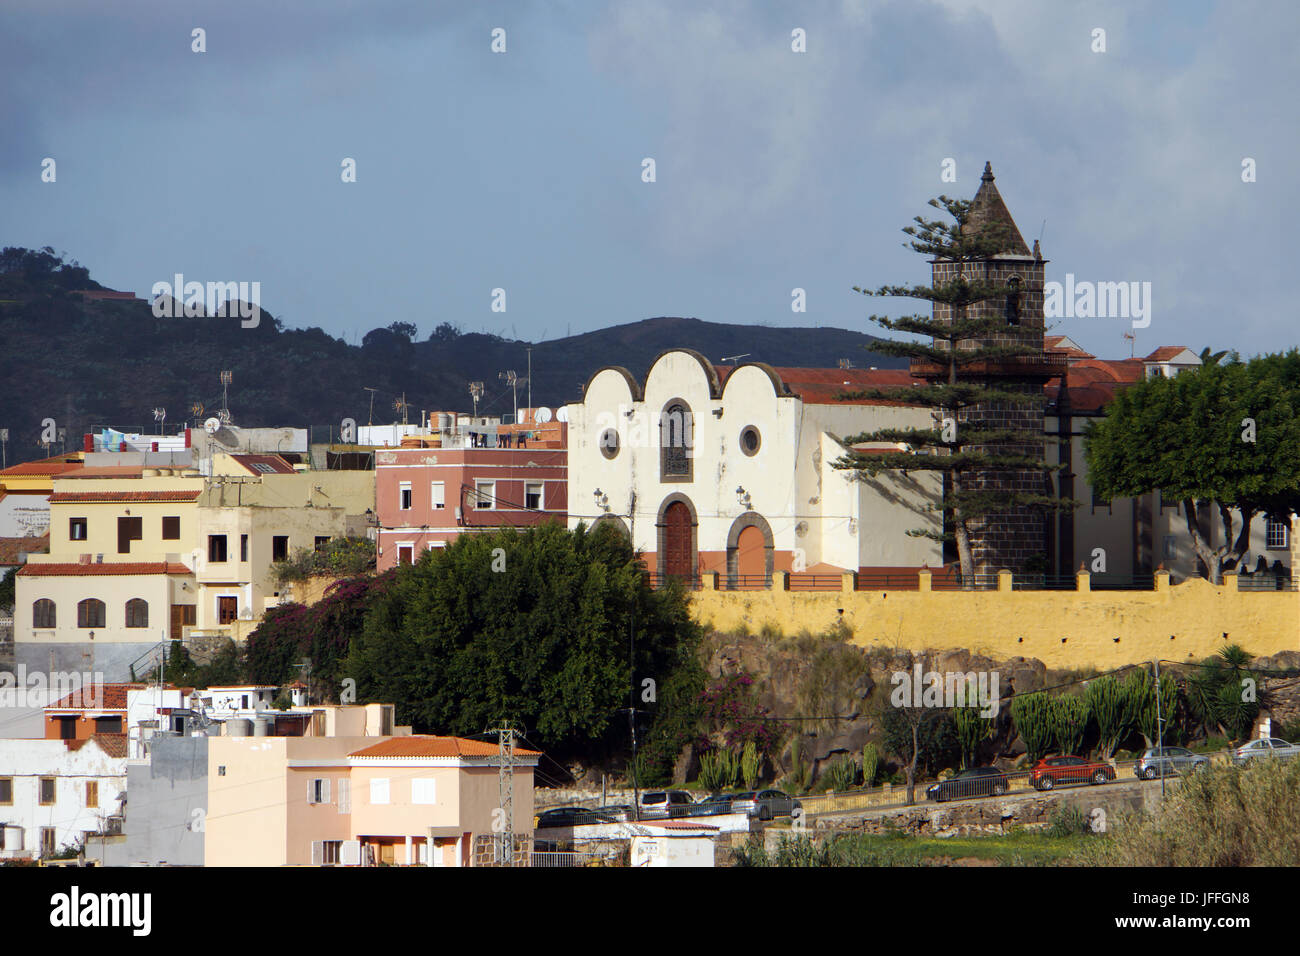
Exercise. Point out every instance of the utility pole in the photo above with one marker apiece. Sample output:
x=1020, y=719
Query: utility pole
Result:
x=506, y=792
x=529, y=380
x=631, y=712
x=1160, y=733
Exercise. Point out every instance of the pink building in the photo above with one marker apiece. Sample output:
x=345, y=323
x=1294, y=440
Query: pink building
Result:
x=468, y=478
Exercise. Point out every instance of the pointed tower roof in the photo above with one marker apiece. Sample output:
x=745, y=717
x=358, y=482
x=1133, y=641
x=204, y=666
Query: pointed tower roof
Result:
x=988, y=207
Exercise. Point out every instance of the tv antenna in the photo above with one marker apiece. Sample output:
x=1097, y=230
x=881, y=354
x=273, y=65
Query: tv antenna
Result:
x=514, y=381
x=371, y=420
x=475, y=393
x=401, y=405
x=1132, y=343
x=224, y=414
x=160, y=416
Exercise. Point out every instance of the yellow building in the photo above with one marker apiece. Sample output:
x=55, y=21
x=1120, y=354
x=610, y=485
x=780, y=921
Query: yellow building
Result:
x=142, y=555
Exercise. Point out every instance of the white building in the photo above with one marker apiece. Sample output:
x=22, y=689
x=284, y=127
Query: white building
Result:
x=55, y=792
x=714, y=468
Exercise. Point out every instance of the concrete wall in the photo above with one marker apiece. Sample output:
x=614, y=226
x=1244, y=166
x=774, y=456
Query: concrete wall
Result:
x=1106, y=629
x=161, y=824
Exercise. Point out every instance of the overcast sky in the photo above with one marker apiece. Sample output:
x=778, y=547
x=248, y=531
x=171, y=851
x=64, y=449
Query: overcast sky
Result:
x=774, y=170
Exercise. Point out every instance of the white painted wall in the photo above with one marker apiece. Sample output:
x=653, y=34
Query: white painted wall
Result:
x=26, y=761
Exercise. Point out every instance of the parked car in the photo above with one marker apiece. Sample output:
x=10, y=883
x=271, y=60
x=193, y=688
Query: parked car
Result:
x=1067, y=768
x=975, y=782
x=565, y=817
x=764, y=804
x=1274, y=747
x=616, y=813
x=663, y=804
x=1172, y=760
x=708, y=807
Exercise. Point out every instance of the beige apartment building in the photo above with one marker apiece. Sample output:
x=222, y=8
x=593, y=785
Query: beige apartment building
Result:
x=409, y=800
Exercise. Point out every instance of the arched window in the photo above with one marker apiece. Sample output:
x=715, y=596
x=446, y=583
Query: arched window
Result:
x=43, y=613
x=137, y=613
x=676, y=437
x=1013, y=300
x=90, y=613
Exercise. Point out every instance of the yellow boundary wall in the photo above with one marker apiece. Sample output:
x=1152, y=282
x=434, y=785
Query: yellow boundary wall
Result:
x=1063, y=629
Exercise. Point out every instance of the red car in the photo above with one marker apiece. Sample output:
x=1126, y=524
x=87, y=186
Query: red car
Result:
x=1050, y=771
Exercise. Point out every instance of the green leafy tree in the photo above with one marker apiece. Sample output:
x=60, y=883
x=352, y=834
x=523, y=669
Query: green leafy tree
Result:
x=921, y=737
x=1220, y=439
x=967, y=444
x=1032, y=715
x=1069, y=722
x=8, y=587
x=532, y=626
x=1106, y=703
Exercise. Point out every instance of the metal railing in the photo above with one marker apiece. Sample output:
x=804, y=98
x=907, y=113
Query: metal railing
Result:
x=814, y=582
x=888, y=581
x=1267, y=581
x=560, y=859
x=745, y=582
x=692, y=582
x=959, y=582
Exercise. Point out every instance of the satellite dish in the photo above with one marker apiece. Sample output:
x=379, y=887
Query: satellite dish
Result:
x=212, y=426
x=562, y=414
x=543, y=414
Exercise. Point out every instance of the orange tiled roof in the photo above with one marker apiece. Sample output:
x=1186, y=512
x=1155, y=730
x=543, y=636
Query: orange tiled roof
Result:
x=823, y=386
x=432, y=746
x=114, y=745
x=65, y=497
x=45, y=466
x=106, y=471
x=1165, y=353
x=121, y=568
x=275, y=464
x=10, y=548
x=96, y=697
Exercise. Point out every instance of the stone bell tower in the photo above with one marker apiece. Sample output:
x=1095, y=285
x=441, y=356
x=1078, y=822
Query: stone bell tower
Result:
x=1008, y=539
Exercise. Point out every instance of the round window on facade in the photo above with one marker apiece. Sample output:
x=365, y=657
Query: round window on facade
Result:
x=609, y=443
x=750, y=440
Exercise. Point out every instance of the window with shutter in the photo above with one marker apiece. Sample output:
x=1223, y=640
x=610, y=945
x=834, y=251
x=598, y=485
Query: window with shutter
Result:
x=345, y=795
x=424, y=791
x=379, y=791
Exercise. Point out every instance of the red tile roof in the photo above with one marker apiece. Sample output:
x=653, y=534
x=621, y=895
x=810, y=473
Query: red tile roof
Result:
x=96, y=697
x=114, y=745
x=106, y=471
x=108, y=569
x=431, y=746
x=1165, y=353
x=57, y=465
x=10, y=548
x=823, y=386
x=275, y=465
x=65, y=497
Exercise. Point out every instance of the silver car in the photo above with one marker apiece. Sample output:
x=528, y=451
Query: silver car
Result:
x=1170, y=761
x=1274, y=747
x=764, y=804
